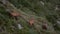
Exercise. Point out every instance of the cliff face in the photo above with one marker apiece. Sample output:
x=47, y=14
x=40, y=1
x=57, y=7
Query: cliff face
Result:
x=29, y=16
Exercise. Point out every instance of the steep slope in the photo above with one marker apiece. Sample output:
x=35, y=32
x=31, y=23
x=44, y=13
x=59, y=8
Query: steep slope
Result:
x=43, y=15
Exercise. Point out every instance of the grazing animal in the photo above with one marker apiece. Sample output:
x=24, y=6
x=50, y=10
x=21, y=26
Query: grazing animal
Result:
x=14, y=14
x=31, y=21
x=44, y=26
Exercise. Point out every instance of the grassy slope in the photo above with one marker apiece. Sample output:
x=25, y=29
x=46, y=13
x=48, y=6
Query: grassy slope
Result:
x=28, y=7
